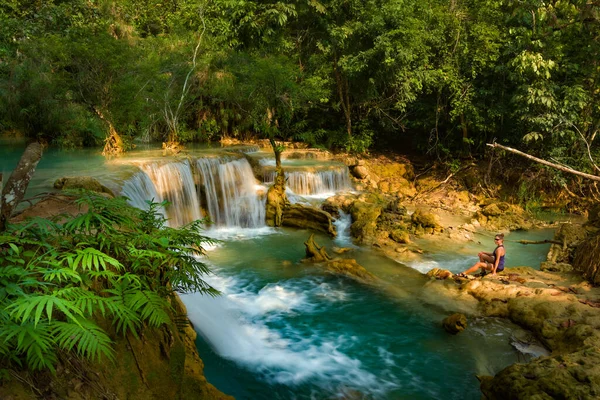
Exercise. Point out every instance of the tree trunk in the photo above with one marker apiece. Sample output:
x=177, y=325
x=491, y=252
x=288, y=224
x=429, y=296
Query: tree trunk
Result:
x=539, y=160
x=17, y=183
x=344, y=94
x=113, y=143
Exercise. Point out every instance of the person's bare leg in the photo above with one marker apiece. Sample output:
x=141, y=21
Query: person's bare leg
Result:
x=475, y=267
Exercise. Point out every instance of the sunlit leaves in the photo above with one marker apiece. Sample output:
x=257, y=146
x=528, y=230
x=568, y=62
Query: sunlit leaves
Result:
x=111, y=261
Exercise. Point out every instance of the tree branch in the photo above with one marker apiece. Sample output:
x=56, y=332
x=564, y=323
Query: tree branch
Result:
x=544, y=162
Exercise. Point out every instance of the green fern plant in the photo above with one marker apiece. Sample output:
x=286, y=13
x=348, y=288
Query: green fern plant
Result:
x=110, y=261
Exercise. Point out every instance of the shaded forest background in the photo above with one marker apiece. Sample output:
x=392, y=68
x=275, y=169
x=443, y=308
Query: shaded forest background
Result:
x=437, y=77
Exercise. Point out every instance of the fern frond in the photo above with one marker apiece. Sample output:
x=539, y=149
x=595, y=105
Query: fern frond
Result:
x=150, y=306
x=21, y=309
x=89, y=258
x=86, y=337
x=60, y=275
x=35, y=341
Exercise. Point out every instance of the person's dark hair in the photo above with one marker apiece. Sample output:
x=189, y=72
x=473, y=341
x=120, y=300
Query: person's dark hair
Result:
x=500, y=236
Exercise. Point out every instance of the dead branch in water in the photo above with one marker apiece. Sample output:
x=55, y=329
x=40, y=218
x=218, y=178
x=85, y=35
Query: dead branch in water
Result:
x=540, y=242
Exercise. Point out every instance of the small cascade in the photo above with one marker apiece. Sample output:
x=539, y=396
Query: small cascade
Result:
x=139, y=189
x=229, y=192
x=315, y=183
x=174, y=182
x=342, y=226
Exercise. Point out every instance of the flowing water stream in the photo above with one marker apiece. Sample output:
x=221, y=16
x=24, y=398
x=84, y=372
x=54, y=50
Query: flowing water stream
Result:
x=283, y=329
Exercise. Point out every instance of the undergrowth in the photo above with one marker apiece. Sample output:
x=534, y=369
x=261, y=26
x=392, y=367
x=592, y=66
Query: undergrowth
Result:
x=112, y=261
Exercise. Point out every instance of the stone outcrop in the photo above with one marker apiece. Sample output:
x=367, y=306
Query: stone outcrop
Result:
x=306, y=217
x=501, y=216
x=571, y=376
x=561, y=311
x=82, y=182
x=587, y=259
x=455, y=323
x=560, y=256
x=439, y=273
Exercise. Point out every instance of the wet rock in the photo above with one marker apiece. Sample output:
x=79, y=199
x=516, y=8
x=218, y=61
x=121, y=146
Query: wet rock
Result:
x=364, y=216
x=455, y=323
x=503, y=216
x=400, y=236
x=439, y=273
x=82, y=182
x=570, y=376
x=306, y=217
x=359, y=172
x=424, y=220
x=555, y=267
x=350, y=268
x=341, y=250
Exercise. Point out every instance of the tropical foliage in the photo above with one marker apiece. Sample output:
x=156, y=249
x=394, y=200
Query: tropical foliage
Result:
x=59, y=278
x=444, y=77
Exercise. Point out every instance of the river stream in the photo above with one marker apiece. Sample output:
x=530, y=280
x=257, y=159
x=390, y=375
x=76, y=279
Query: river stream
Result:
x=283, y=329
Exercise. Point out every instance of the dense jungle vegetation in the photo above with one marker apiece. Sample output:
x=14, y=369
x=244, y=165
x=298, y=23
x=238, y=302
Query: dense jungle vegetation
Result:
x=440, y=77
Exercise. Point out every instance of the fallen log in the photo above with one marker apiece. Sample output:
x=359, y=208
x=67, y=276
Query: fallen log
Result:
x=540, y=242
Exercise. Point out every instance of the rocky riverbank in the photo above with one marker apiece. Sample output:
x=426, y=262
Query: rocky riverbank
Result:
x=558, y=304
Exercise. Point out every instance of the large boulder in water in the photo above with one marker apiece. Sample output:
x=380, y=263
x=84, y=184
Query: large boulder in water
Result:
x=82, y=182
x=365, y=212
x=306, y=217
x=455, y=323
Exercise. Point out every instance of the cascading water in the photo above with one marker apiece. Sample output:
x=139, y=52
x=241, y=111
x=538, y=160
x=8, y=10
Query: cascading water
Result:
x=315, y=183
x=230, y=192
x=226, y=189
x=175, y=183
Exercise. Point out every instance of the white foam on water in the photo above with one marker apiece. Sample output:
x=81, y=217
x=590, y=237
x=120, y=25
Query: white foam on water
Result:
x=235, y=324
x=454, y=265
x=237, y=233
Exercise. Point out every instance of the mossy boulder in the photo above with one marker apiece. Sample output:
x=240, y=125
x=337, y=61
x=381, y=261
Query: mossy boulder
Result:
x=424, y=219
x=455, y=323
x=82, y=182
x=400, y=236
x=439, y=273
x=503, y=216
x=365, y=213
x=570, y=376
x=586, y=259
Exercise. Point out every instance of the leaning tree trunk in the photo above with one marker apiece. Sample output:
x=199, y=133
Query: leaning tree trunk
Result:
x=113, y=143
x=17, y=183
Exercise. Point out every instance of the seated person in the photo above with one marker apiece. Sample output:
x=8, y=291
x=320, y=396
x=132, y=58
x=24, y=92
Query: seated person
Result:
x=490, y=262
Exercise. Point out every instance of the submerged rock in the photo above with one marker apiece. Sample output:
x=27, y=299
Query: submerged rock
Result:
x=455, y=323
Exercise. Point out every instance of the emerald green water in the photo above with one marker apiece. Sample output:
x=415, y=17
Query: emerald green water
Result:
x=286, y=330
x=283, y=329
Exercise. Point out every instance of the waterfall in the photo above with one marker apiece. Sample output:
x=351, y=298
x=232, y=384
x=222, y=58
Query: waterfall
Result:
x=229, y=192
x=315, y=183
x=139, y=189
x=166, y=181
